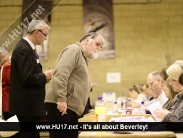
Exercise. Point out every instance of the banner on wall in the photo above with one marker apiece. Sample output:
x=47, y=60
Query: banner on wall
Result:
x=39, y=10
x=98, y=17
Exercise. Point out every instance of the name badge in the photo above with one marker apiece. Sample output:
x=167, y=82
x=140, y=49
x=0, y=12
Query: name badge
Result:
x=37, y=60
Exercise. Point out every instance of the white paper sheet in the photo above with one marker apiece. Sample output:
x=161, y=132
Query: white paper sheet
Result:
x=154, y=106
x=113, y=77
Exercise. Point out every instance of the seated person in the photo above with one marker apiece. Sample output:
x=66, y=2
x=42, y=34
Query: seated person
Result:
x=175, y=114
x=155, y=85
x=170, y=94
x=164, y=77
x=147, y=95
x=136, y=96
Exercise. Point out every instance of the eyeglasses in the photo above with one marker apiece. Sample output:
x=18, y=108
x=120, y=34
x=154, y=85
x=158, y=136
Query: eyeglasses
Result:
x=151, y=83
x=42, y=33
x=98, y=44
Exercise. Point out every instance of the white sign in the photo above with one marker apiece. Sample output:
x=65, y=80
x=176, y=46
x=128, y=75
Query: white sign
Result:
x=114, y=77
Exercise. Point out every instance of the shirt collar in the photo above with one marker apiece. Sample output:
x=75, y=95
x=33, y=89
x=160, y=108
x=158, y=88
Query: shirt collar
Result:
x=30, y=43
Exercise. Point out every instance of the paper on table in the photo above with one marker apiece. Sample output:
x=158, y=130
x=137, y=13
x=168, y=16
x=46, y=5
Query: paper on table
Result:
x=154, y=106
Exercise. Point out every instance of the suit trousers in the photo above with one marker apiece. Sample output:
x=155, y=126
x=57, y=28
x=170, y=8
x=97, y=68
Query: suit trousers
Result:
x=29, y=134
x=55, y=116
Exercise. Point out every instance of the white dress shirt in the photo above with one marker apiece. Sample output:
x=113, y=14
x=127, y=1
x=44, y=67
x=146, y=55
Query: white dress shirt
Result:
x=162, y=98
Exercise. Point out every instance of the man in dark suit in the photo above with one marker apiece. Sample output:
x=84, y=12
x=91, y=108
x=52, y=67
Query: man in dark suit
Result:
x=27, y=81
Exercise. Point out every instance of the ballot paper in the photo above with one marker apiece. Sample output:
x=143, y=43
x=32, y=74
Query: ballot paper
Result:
x=132, y=119
x=154, y=106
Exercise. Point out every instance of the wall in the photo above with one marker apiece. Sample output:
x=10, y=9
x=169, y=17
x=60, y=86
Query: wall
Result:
x=9, y=11
x=144, y=35
x=10, y=18
x=148, y=37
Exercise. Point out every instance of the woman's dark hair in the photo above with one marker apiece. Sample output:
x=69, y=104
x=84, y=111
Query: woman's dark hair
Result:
x=136, y=88
x=163, y=74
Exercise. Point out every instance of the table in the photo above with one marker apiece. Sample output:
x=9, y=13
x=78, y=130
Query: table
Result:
x=91, y=118
x=162, y=134
x=179, y=135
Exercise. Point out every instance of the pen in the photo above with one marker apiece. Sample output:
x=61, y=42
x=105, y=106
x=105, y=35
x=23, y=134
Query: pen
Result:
x=49, y=69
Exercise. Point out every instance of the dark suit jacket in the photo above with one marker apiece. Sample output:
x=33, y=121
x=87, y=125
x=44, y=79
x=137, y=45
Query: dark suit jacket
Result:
x=27, y=82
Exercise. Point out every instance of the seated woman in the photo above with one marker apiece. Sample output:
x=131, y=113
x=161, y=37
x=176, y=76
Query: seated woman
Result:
x=175, y=114
x=146, y=92
x=136, y=96
x=164, y=77
x=170, y=94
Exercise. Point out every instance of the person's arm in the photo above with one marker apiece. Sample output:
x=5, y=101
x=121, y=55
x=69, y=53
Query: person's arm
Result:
x=66, y=63
x=161, y=113
x=176, y=114
x=173, y=118
x=6, y=73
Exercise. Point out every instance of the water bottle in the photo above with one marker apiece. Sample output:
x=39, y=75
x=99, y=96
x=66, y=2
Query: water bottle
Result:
x=123, y=103
x=129, y=107
x=115, y=108
x=142, y=108
x=100, y=110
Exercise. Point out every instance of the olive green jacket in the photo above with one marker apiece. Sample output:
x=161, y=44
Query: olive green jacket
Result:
x=71, y=80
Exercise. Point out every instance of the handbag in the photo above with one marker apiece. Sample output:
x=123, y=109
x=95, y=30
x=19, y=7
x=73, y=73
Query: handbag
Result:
x=11, y=119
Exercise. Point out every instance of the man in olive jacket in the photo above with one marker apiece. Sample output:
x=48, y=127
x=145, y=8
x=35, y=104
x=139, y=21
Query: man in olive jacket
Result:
x=70, y=85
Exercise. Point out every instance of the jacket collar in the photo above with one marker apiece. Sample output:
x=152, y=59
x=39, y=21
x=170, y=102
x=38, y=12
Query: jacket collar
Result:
x=79, y=44
x=30, y=43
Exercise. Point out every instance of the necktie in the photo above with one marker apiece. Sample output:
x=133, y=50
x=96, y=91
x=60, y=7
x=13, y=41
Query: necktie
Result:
x=37, y=56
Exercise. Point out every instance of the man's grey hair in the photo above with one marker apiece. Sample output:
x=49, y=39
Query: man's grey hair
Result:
x=37, y=25
x=155, y=74
x=93, y=35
